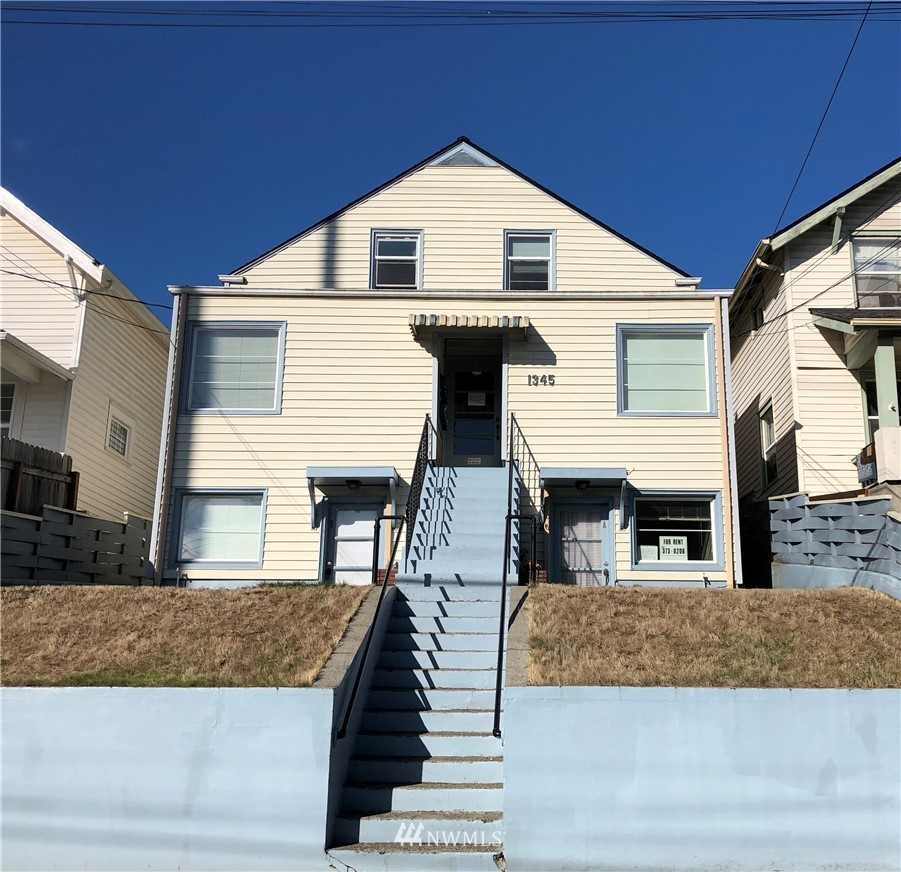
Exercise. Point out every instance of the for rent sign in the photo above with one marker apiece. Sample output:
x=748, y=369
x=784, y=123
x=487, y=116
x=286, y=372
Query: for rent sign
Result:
x=674, y=547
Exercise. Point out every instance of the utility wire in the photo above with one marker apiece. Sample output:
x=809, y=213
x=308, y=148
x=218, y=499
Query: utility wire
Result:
x=86, y=291
x=816, y=135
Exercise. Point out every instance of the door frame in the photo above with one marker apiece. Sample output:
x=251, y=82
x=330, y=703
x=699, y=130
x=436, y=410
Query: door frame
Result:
x=438, y=362
x=608, y=544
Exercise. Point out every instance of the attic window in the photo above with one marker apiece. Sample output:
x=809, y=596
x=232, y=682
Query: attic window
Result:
x=529, y=261
x=396, y=259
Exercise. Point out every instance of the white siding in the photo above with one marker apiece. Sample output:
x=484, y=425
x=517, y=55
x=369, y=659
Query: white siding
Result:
x=463, y=212
x=44, y=412
x=35, y=310
x=124, y=365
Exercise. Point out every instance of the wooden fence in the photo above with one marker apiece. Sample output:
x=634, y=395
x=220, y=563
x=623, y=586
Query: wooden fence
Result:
x=65, y=547
x=32, y=477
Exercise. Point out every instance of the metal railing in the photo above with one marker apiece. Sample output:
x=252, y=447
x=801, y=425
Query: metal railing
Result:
x=401, y=519
x=522, y=467
x=426, y=453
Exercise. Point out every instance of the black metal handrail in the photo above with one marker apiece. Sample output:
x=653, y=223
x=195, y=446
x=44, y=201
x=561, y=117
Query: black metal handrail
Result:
x=348, y=711
x=429, y=446
x=521, y=464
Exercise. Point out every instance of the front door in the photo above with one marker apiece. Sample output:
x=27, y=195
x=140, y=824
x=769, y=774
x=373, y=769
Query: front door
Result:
x=351, y=531
x=474, y=398
x=583, y=537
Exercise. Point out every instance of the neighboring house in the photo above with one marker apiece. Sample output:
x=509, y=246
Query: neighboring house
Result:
x=816, y=347
x=463, y=291
x=83, y=363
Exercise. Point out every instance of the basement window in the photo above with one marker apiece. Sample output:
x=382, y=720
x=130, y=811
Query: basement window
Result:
x=220, y=528
x=677, y=531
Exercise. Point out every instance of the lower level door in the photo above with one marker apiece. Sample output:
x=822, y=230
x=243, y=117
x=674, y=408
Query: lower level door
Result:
x=584, y=544
x=351, y=530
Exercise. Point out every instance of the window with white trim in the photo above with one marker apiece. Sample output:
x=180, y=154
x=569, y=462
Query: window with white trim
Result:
x=767, y=426
x=674, y=530
x=217, y=527
x=529, y=260
x=396, y=258
x=665, y=370
x=7, y=398
x=118, y=438
x=235, y=367
x=877, y=271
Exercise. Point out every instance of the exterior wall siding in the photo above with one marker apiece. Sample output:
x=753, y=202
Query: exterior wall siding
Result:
x=42, y=314
x=830, y=399
x=357, y=386
x=123, y=365
x=463, y=212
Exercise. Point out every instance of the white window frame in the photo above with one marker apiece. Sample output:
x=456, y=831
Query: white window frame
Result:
x=767, y=446
x=705, y=331
x=551, y=258
x=713, y=498
x=195, y=327
x=175, y=546
x=887, y=240
x=416, y=259
x=126, y=421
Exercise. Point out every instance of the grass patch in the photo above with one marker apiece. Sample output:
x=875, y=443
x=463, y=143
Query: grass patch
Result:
x=648, y=637
x=269, y=636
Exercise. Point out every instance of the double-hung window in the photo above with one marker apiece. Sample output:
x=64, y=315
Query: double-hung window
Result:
x=397, y=259
x=220, y=527
x=529, y=260
x=877, y=271
x=681, y=530
x=767, y=425
x=235, y=367
x=665, y=370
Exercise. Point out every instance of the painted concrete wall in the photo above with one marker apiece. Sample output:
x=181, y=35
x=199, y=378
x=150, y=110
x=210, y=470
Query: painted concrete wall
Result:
x=163, y=779
x=701, y=779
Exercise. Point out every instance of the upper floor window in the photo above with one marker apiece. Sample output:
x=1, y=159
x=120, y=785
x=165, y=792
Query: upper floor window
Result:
x=529, y=260
x=665, y=370
x=120, y=432
x=396, y=258
x=235, y=367
x=877, y=271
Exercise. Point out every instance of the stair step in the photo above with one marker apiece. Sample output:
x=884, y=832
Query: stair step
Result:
x=394, y=721
x=435, y=678
x=391, y=857
x=480, y=828
x=439, y=642
x=455, y=624
x=439, y=744
x=430, y=699
x=429, y=796
x=410, y=659
x=411, y=770
x=450, y=591
x=446, y=609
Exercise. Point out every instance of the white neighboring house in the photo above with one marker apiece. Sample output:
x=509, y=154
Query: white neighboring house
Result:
x=83, y=363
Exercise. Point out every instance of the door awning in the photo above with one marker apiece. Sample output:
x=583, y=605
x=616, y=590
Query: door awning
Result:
x=583, y=476
x=350, y=480
x=424, y=322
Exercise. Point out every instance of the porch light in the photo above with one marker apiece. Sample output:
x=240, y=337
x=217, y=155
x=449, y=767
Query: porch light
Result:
x=352, y=483
x=582, y=484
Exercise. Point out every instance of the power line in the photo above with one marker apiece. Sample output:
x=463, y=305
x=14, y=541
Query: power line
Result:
x=816, y=135
x=86, y=291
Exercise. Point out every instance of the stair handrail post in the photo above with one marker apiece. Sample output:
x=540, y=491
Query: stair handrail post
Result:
x=364, y=657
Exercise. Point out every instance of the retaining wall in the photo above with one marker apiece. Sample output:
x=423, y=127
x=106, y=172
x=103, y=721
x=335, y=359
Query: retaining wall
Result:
x=848, y=543
x=701, y=779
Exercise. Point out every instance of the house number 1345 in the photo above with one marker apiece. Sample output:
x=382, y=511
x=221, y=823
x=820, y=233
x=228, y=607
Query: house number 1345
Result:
x=541, y=380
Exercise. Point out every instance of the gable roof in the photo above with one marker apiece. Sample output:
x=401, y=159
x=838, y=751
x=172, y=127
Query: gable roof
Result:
x=814, y=217
x=30, y=219
x=460, y=150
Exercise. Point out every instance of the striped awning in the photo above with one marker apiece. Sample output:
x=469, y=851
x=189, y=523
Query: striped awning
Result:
x=424, y=322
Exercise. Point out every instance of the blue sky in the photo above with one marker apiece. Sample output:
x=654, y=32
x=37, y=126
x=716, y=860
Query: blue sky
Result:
x=175, y=155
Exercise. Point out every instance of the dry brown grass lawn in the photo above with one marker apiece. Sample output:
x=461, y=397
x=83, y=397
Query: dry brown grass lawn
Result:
x=686, y=638
x=267, y=636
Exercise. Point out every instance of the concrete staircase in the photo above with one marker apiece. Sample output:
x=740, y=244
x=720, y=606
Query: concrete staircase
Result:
x=426, y=765
x=459, y=531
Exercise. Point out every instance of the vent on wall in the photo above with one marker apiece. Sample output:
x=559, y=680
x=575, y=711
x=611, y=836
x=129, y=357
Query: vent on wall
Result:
x=463, y=156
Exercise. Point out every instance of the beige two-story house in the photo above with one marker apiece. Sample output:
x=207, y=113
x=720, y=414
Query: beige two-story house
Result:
x=401, y=350
x=816, y=348
x=83, y=364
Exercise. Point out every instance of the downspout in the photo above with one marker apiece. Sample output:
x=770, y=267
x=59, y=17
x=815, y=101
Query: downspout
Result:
x=170, y=420
x=724, y=409
x=730, y=424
